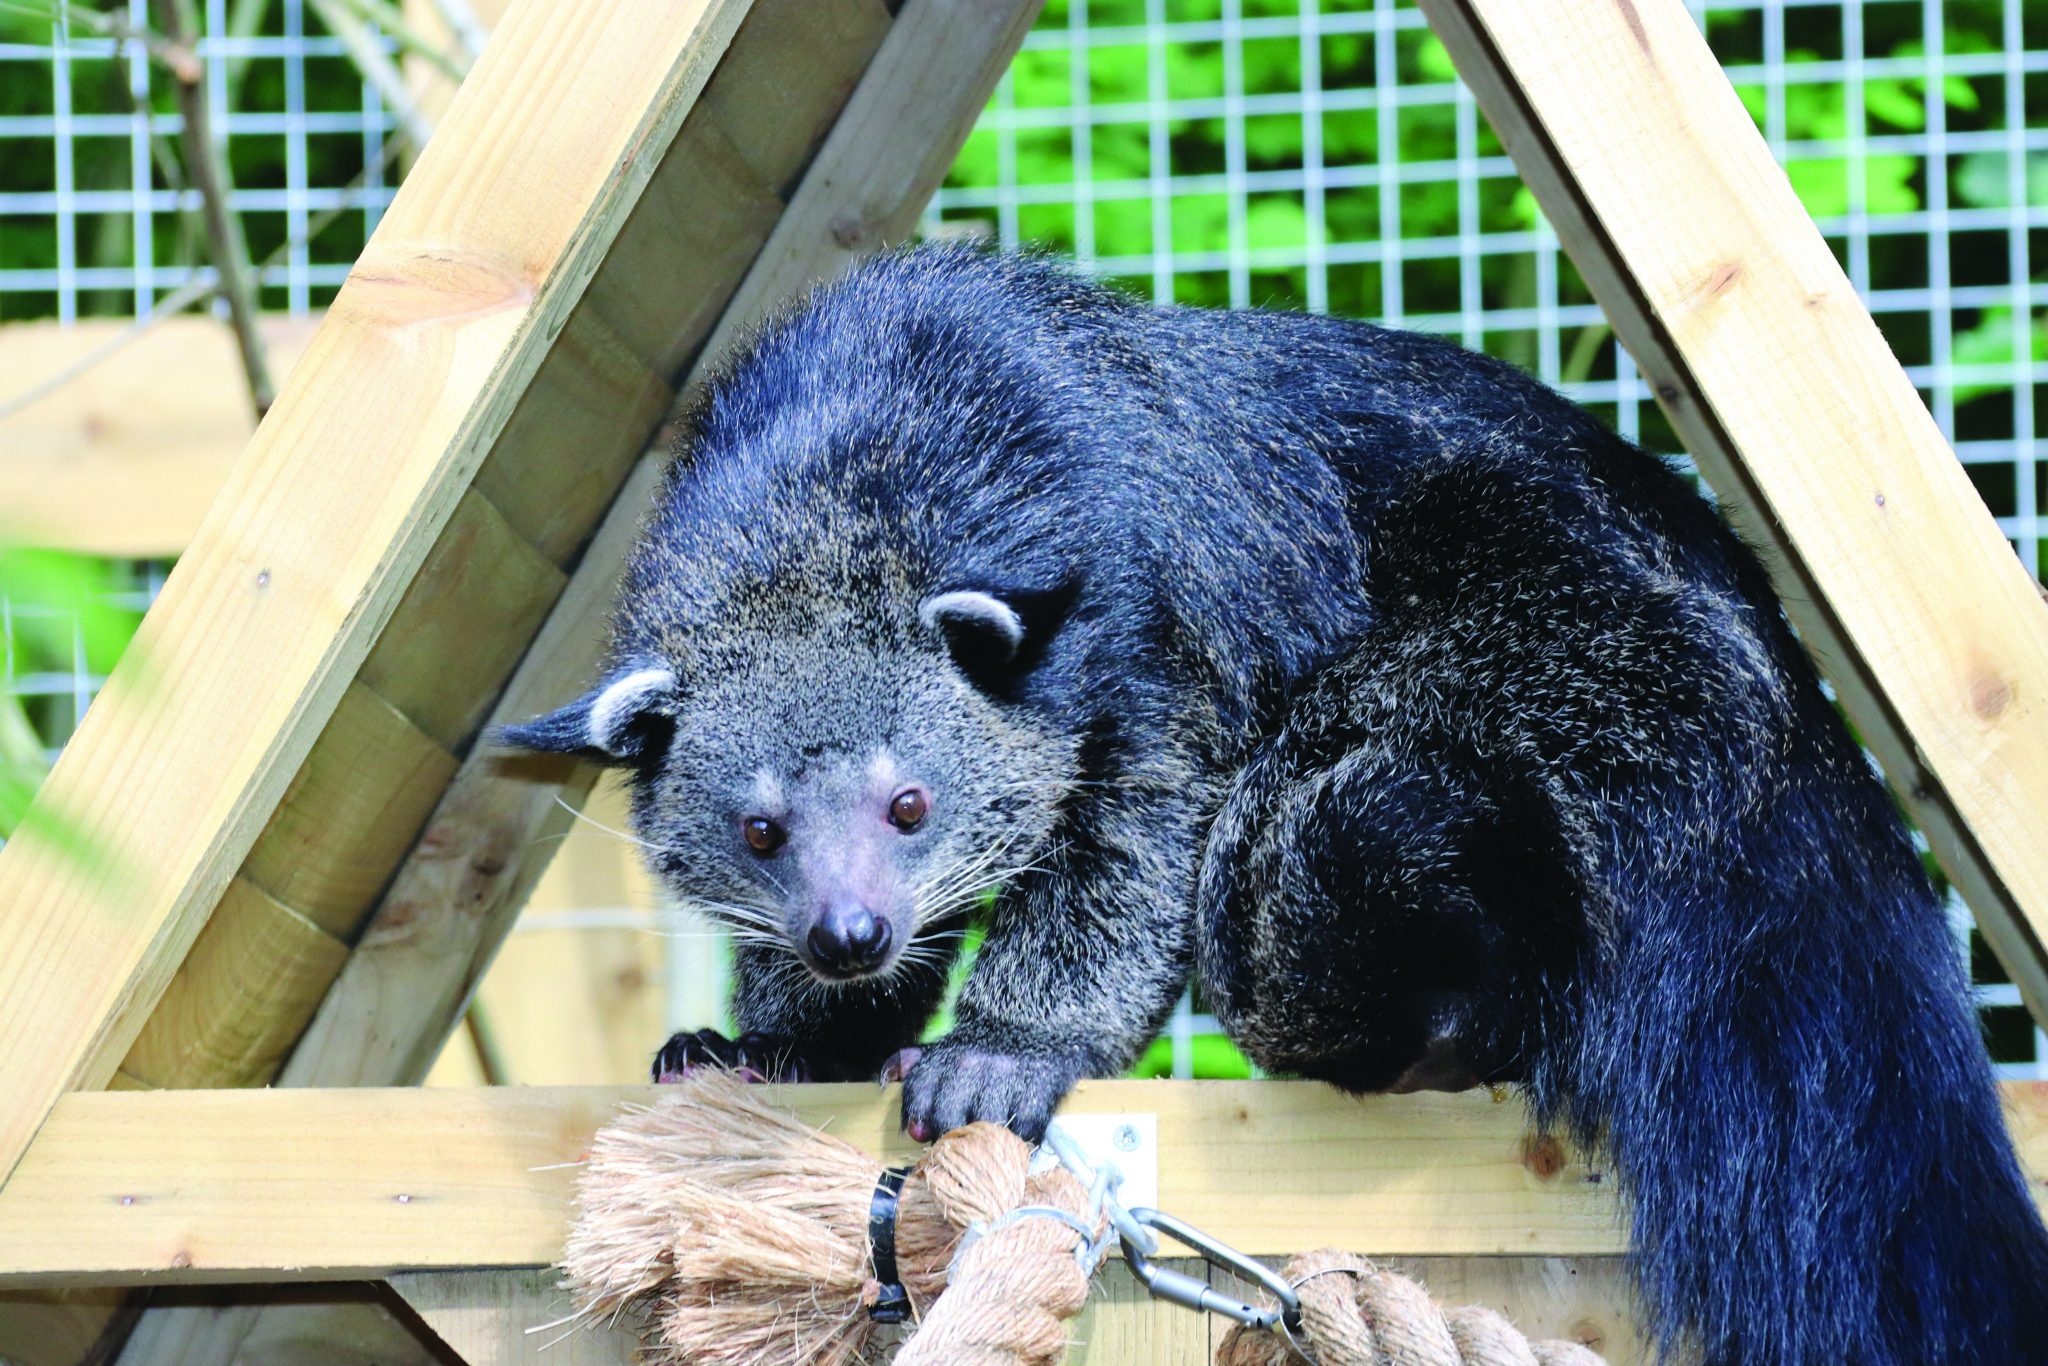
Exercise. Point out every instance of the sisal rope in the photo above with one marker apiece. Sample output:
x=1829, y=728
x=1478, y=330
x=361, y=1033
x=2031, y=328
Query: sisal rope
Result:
x=733, y=1235
x=1356, y=1314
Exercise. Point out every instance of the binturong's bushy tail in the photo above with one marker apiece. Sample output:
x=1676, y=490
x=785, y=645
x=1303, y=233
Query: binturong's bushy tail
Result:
x=1779, y=1056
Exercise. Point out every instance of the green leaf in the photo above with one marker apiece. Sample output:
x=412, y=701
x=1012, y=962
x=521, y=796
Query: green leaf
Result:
x=1891, y=102
x=1039, y=78
x=1525, y=208
x=1434, y=59
x=1822, y=185
x=1272, y=140
x=1991, y=342
x=1201, y=222
x=1123, y=227
x=1350, y=135
x=976, y=167
x=1271, y=66
x=1194, y=71
x=1121, y=151
x=1117, y=75
x=1211, y=1057
x=1045, y=156
x=78, y=586
x=1982, y=180
x=1275, y=221
x=1888, y=184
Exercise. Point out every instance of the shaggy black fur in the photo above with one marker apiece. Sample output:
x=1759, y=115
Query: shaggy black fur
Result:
x=1449, y=736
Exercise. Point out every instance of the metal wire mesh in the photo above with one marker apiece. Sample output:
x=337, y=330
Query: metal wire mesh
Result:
x=94, y=222
x=1238, y=152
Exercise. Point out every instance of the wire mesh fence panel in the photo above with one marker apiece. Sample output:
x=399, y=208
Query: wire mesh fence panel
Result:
x=96, y=216
x=1223, y=152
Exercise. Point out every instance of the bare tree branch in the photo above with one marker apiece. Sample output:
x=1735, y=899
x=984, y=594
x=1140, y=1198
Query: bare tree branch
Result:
x=207, y=168
x=196, y=291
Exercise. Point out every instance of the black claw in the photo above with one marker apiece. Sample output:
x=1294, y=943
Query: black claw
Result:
x=753, y=1057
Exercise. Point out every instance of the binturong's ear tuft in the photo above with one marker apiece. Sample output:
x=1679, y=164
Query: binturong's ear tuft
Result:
x=626, y=721
x=982, y=631
x=996, y=636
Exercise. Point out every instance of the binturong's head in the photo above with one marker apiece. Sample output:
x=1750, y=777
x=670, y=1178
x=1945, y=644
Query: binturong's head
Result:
x=846, y=636
x=835, y=792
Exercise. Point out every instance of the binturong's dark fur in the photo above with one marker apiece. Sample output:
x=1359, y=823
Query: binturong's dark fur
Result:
x=1447, y=737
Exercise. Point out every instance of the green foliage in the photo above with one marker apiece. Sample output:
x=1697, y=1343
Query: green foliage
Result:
x=82, y=628
x=1993, y=342
x=1815, y=124
x=1211, y=1057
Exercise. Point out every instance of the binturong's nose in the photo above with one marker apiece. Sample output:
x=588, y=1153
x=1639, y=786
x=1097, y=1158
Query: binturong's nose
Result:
x=848, y=939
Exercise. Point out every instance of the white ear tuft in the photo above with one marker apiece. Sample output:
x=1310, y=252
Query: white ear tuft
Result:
x=982, y=616
x=624, y=701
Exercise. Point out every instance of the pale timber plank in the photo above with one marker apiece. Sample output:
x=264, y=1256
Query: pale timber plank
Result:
x=1124, y=1326
x=353, y=808
x=446, y=319
x=888, y=151
x=1587, y=1300
x=1782, y=388
x=485, y=1317
x=457, y=896
x=343, y=1184
x=62, y=1327
x=239, y=1000
x=125, y=458
x=339, y=1324
x=487, y=843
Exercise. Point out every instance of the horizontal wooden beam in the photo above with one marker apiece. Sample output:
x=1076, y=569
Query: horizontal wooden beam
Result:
x=157, y=1187
x=1781, y=386
x=125, y=457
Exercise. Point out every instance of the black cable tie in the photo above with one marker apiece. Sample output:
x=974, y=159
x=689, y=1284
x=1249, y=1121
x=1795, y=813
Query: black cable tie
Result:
x=892, y=1301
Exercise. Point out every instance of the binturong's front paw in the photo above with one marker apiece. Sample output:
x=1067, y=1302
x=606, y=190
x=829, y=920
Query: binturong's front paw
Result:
x=952, y=1083
x=751, y=1057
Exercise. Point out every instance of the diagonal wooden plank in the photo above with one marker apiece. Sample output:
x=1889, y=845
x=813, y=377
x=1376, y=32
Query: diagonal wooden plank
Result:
x=1779, y=383
x=456, y=897
x=457, y=302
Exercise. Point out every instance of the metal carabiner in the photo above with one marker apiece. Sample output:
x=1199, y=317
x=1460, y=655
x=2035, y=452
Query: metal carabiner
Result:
x=1177, y=1288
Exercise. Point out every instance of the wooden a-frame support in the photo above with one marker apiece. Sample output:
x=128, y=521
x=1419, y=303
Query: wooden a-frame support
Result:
x=286, y=815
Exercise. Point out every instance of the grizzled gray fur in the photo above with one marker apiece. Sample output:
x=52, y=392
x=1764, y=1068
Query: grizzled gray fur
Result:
x=1447, y=736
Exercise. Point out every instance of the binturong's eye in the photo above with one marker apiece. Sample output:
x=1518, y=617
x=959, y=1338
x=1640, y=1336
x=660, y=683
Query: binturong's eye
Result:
x=763, y=836
x=907, y=809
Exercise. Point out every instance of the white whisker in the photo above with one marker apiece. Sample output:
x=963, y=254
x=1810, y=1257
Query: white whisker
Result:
x=627, y=836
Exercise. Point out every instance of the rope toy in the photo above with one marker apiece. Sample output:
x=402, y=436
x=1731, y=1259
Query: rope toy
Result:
x=1357, y=1314
x=740, y=1237
x=733, y=1235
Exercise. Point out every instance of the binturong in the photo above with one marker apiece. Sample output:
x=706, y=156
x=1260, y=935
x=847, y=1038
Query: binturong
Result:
x=1443, y=735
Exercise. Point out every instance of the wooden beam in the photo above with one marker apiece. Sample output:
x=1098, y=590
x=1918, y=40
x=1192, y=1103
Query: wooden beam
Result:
x=125, y=458
x=287, y=1184
x=196, y=1186
x=488, y=1318
x=457, y=895
x=460, y=300
x=1780, y=385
